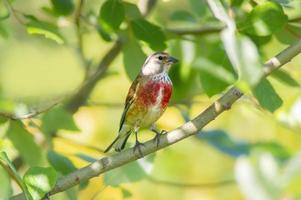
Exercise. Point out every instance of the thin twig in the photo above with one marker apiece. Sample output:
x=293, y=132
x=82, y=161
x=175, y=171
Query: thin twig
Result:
x=14, y=12
x=28, y=115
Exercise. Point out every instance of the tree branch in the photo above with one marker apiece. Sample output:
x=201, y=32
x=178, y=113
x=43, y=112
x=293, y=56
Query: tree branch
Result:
x=190, y=128
x=195, y=31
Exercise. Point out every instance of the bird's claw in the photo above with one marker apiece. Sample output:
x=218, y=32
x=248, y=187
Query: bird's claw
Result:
x=158, y=135
x=138, y=147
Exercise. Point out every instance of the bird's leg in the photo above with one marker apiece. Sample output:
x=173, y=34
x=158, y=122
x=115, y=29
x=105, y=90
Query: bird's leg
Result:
x=158, y=134
x=138, y=144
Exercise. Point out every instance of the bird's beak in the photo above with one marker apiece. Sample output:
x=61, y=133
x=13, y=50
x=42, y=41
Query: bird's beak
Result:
x=172, y=60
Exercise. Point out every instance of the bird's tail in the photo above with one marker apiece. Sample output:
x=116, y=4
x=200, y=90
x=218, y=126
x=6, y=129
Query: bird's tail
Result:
x=119, y=142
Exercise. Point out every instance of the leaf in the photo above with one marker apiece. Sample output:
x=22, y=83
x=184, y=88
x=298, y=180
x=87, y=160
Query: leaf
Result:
x=126, y=193
x=285, y=78
x=24, y=142
x=39, y=181
x=60, y=163
x=255, y=180
x=199, y=7
x=58, y=119
x=182, y=15
x=9, y=167
x=3, y=120
x=211, y=84
x=289, y=34
x=85, y=157
x=259, y=20
x=224, y=143
x=149, y=33
x=111, y=14
x=49, y=31
x=216, y=70
x=63, y=7
x=267, y=96
x=130, y=172
x=131, y=11
x=5, y=189
x=133, y=57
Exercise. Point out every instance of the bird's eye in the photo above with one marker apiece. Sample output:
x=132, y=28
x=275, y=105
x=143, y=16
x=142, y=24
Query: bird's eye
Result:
x=160, y=58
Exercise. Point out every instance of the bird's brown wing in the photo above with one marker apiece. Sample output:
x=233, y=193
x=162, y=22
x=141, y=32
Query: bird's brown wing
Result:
x=130, y=99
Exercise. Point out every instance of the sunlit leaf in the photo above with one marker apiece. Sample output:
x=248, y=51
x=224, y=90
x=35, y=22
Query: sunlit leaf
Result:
x=112, y=14
x=63, y=7
x=24, y=143
x=60, y=163
x=149, y=33
x=130, y=172
x=133, y=57
x=259, y=20
x=39, y=181
x=267, y=96
x=49, y=31
x=57, y=119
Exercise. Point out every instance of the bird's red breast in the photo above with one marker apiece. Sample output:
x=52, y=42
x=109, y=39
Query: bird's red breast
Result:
x=154, y=93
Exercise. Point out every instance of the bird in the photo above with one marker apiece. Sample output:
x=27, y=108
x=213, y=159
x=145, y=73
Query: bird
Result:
x=146, y=101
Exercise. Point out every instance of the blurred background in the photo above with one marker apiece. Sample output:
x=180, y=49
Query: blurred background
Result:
x=66, y=66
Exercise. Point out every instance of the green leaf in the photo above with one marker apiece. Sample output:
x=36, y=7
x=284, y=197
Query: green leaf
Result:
x=267, y=96
x=49, y=31
x=265, y=19
x=224, y=143
x=130, y=172
x=149, y=33
x=183, y=15
x=112, y=14
x=199, y=7
x=133, y=57
x=9, y=167
x=289, y=34
x=39, y=181
x=5, y=189
x=57, y=119
x=211, y=84
x=126, y=193
x=24, y=143
x=3, y=120
x=63, y=7
x=60, y=163
x=131, y=11
x=285, y=78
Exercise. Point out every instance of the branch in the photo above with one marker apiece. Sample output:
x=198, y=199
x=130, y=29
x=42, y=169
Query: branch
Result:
x=31, y=114
x=188, y=129
x=191, y=185
x=195, y=31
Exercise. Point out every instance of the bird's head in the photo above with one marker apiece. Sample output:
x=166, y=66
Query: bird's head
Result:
x=157, y=63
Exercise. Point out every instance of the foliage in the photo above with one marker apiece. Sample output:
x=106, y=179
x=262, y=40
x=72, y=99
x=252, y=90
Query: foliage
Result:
x=220, y=43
